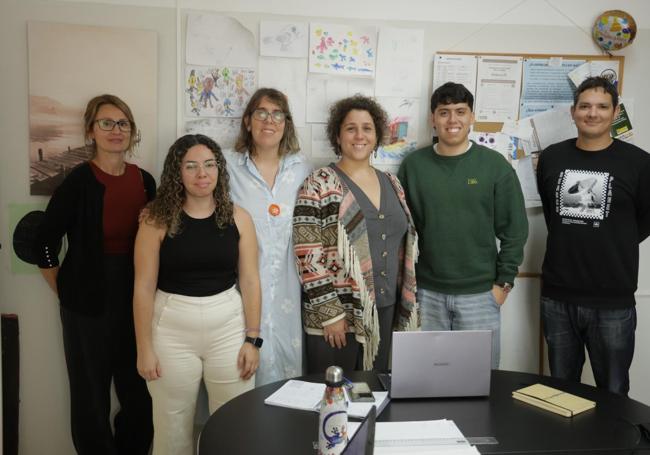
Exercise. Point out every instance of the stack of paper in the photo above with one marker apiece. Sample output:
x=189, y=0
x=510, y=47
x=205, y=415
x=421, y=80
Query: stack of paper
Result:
x=418, y=437
x=308, y=395
x=553, y=400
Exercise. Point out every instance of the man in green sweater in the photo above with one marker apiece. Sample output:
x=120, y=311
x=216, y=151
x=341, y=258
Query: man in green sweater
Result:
x=463, y=197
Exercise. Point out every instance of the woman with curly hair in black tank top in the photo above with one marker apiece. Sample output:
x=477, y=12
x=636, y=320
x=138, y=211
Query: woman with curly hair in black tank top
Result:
x=191, y=322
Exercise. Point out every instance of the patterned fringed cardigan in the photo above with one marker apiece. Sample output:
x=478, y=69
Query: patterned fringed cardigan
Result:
x=333, y=258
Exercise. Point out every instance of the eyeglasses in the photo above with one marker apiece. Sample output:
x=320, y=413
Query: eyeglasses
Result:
x=209, y=166
x=106, y=124
x=263, y=114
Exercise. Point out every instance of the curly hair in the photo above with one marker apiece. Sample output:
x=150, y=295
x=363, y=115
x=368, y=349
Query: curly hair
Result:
x=289, y=143
x=91, y=115
x=165, y=210
x=342, y=108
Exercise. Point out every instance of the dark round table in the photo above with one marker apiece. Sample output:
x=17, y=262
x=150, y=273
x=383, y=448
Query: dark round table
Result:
x=245, y=425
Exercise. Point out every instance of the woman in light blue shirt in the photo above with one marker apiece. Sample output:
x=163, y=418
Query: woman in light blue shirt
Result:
x=266, y=170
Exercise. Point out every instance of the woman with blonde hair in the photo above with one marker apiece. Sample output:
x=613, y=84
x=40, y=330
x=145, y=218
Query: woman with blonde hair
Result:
x=97, y=207
x=193, y=246
x=265, y=172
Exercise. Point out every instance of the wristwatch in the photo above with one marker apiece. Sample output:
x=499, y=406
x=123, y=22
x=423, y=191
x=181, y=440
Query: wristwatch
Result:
x=257, y=341
x=507, y=287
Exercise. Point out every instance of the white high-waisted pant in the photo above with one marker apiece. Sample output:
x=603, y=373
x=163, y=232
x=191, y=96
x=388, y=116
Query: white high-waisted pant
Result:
x=194, y=338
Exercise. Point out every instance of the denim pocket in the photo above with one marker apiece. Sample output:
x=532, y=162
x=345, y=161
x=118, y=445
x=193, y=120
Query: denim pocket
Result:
x=493, y=299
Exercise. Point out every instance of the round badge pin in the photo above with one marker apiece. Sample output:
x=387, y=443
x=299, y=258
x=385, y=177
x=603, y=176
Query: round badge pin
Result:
x=274, y=209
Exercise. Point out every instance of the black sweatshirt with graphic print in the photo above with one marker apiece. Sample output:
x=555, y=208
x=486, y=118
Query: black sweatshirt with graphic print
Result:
x=597, y=211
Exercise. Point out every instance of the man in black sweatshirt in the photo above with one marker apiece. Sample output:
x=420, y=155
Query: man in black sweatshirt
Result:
x=595, y=193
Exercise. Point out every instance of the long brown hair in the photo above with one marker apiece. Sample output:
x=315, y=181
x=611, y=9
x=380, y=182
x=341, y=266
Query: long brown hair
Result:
x=165, y=210
x=288, y=144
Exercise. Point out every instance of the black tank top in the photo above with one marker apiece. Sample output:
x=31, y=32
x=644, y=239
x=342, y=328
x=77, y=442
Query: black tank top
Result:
x=200, y=260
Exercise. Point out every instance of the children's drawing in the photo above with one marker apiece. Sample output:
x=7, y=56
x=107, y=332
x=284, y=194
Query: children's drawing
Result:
x=217, y=92
x=402, y=129
x=218, y=40
x=341, y=49
x=283, y=39
x=223, y=130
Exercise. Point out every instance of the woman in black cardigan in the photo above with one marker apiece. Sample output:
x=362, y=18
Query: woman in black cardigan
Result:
x=97, y=207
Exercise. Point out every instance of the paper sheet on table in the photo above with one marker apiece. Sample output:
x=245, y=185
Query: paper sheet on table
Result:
x=399, y=62
x=460, y=69
x=215, y=40
x=284, y=39
x=288, y=76
x=418, y=437
x=322, y=91
x=307, y=396
x=361, y=409
x=297, y=395
x=497, y=88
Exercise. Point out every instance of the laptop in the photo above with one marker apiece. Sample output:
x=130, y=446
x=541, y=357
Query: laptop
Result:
x=440, y=364
x=363, y=440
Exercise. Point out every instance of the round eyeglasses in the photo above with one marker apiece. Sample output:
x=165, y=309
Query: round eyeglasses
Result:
x=193, y=167
x=106, y=124
x=263, y=114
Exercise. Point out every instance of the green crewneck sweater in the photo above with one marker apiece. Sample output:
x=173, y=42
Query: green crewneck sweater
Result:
x=461, y=205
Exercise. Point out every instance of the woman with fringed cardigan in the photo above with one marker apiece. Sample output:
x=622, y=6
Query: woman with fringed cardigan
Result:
x=356, y=247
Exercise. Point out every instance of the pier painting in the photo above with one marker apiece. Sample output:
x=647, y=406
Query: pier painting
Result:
x=56, y=143
x=68, y=65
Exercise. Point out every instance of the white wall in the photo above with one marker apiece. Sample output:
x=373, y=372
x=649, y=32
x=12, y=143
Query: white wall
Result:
x=44, y=413
x=516, y=26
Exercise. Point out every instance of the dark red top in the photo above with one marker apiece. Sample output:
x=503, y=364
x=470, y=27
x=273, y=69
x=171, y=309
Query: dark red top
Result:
x=124, y=197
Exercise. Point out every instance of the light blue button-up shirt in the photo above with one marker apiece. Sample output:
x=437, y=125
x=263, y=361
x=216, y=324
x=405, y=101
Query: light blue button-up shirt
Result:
x=281, y=326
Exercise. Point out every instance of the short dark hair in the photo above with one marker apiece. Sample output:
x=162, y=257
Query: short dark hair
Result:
x=597, y=82
x=342, y=108
x=451, y=93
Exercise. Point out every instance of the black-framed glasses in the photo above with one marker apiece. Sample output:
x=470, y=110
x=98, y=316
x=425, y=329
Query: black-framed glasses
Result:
x=106, y=124
x=263, y=114
x=209, y=166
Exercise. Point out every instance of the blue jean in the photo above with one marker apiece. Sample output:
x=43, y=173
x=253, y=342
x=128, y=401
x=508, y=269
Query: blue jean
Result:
x=480, y=311
x=607, y=334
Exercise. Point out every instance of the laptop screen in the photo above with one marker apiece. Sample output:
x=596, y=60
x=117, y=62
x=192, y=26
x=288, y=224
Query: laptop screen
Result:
x=363, y=441
x=441, y=364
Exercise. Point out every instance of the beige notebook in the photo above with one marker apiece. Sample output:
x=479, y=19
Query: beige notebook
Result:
x=553, y=400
